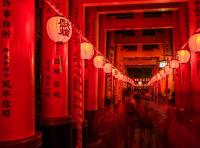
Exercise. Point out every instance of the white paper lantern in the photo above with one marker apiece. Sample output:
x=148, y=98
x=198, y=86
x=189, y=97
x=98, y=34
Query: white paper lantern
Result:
x=114, y=71
x=167, y=69
x=194, y=42
x=183, y=56
x=59, y=29
x=107, y=68
x=174, y=64
x=162, y=73
x=87, y=50
x=99, y=61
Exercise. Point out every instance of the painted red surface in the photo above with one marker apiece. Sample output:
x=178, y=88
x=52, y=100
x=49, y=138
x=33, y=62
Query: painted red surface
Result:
x=17, y=48
x=54, y=71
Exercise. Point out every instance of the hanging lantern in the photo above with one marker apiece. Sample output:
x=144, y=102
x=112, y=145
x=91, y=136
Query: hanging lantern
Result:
x=194, y=42
x=87, y=50
x=114, y=72
x=158, y=77
x=174, y=64
x=107, y=68
x=183, y=56
x=162, y=73
x=59, y=29
x=167, y=69
x=99, y=61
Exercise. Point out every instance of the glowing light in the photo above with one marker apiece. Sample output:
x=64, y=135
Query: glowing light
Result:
x=174, y=64
x=162, y=64
x=87, y=50
x=194, y=42
x=183, y=56
x=107, y=68
x=99, y=61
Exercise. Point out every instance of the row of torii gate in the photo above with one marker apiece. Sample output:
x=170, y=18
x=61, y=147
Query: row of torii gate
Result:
x=17, y=78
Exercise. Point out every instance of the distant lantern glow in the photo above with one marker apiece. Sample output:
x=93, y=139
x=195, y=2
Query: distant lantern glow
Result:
x=107, y=68
x=158, y=77
x=162, y=64
x=99, y=61
x=167, y=69
x=114, y=72
x=183, y=56
x=162, y=73
x=174, y=64
x=87, y=50
x=194, y=42
x=140, y=83
x=59, y=29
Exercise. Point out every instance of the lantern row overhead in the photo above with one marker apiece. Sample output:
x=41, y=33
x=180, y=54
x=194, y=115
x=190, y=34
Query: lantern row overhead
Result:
x=183, y=56
x=87, y=49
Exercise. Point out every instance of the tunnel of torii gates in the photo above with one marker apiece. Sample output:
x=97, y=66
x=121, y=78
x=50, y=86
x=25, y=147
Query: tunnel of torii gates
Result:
x=50, y=95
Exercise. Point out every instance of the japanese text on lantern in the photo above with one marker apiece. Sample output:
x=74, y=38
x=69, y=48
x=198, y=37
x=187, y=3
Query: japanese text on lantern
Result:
x=64, y=26
x=6, y=82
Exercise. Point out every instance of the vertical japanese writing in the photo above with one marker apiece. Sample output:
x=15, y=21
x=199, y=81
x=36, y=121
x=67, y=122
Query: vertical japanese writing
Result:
x=57, y=69
x=6, y=82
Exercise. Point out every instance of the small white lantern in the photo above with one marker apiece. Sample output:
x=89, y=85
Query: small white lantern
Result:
x=107, y=68
x=194, y=42
x=167, y=69
x=114, y=72
x=99, y=61
x=87, y=50
x=183, y=56
x=59, y=29
x=174, y=64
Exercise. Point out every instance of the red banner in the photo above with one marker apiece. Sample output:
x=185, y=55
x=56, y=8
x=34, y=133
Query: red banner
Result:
x=17, y=48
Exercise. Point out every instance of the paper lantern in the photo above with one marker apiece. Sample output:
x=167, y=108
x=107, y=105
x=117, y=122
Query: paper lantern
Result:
x=99, y=61
x=167, y=69
x=59, y=29
x=107, y=68
x=162, y=73
x=194, y=42
x=174, y=64
x=158, y=77
x=183, y=56
x=114, y=71
x=87, y=50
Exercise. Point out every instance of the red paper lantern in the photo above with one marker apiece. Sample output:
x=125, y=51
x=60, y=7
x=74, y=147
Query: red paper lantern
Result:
x=183, y=56
x=174, y=64
x=59, y=29
x=194, y=42
x=87, y=50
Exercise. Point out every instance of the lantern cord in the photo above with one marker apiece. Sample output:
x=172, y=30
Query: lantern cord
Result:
x=77, y=31
x=184, y=45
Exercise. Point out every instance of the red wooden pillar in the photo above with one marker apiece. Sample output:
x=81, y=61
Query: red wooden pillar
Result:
x=76, y=74
x=109, y=78
x=91, y=77
x=177, y=73
x=54, y=78
x=101, y=73
x=194, y=19
x=184, y=68
x=17, y=83
x=91, y=72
